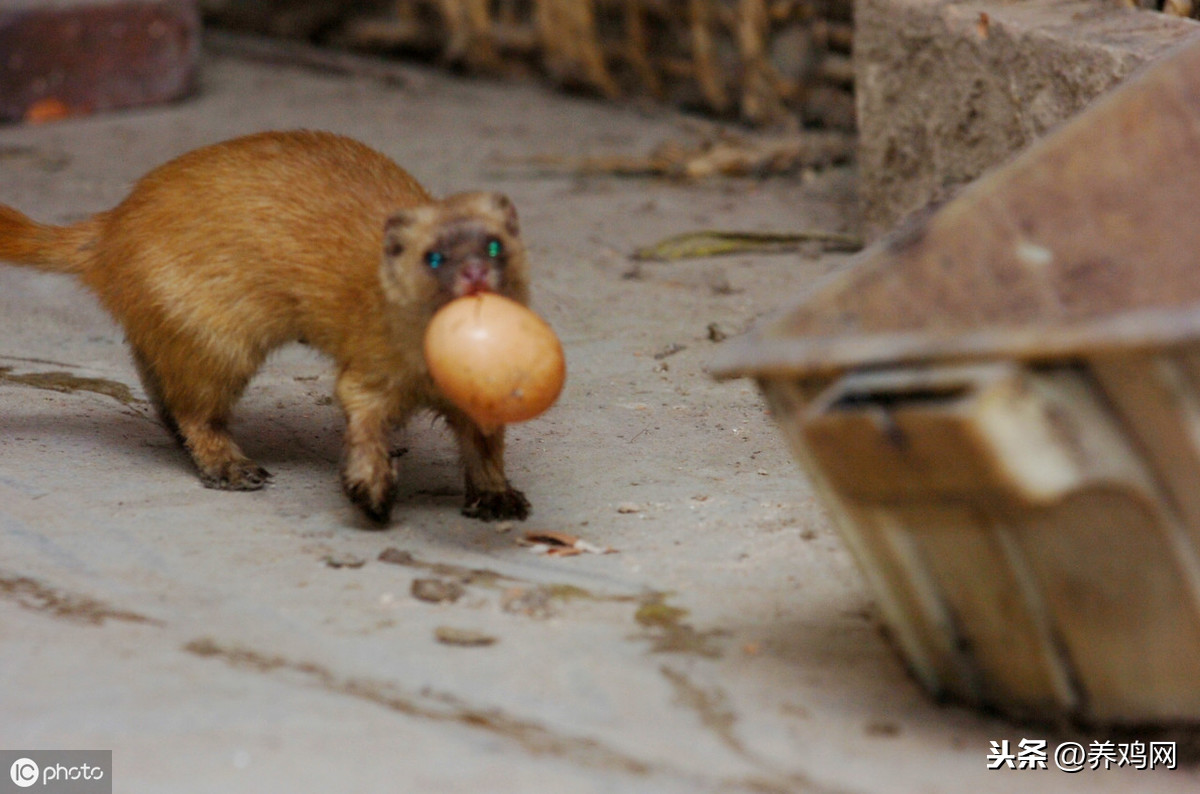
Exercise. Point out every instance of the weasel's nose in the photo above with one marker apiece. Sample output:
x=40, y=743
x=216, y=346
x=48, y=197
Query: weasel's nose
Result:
x=475, y=276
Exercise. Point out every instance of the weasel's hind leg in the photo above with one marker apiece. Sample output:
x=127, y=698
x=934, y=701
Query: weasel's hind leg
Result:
x=221, y=462
x=153, y=387
x=197, y=413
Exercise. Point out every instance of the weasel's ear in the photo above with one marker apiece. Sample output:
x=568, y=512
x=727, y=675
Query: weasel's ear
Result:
x=508, y=212
x=395, y=231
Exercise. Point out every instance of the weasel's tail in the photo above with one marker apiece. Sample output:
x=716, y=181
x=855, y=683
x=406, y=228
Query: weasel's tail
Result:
x=59, y=249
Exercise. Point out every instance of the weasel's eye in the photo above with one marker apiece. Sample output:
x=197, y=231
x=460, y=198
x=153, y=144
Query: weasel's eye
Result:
x=434, y=259
x=495, y=248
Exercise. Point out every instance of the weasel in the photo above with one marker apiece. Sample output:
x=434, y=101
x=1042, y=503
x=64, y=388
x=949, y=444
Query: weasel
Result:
x=222, y=255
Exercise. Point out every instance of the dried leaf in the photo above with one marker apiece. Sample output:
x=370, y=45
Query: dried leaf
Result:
x=555, y=551
x=549, y=538
x=466, y=638
x=720, y=243
x=560, y=544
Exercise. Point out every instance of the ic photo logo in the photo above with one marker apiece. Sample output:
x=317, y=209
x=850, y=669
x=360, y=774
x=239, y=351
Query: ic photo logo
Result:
x=24, y=772
x=57, y=771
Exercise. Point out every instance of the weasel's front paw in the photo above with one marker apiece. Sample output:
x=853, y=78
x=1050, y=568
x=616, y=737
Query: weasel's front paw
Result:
x=496, y=505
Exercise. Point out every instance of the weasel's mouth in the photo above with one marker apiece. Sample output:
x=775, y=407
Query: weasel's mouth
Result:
x=473, y=286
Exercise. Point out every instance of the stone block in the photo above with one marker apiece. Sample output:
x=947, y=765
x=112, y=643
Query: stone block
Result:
x=948, y=88
x=63, y=58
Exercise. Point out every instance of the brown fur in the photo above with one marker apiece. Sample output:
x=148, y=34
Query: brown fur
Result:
x=224, y=254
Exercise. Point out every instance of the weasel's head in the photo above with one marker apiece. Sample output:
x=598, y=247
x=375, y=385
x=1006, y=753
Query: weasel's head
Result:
x=464, y=244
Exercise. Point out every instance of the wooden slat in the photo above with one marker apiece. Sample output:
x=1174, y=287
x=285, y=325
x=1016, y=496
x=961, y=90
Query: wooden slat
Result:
x=1002, y=624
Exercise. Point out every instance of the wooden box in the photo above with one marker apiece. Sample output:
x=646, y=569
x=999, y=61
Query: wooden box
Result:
x=1000, y=406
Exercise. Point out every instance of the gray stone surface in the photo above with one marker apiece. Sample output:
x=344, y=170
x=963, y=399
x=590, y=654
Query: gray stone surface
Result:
x=729, y=645
x=949, y=88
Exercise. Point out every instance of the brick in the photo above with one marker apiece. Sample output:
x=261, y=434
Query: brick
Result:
x=946, y=88
x=68, y=58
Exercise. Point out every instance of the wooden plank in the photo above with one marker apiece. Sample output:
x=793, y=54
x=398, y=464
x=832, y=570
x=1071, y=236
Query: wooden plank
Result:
x=1151, y=392
x=1002, y=625
x=1105, y=562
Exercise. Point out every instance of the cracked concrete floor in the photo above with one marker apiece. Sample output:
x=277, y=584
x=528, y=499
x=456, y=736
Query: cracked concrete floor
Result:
x=258, y=642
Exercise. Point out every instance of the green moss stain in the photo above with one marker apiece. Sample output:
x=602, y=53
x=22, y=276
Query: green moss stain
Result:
x=667, y=631
x=654, y=613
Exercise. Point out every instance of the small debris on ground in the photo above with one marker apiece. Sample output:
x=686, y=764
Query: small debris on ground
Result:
x=628, y=507
x=436, y=591
x=717, y=332
x=669, y=350
x=466, y=638
x=718, y=283
x=534, y=602
x=344, y=561
x=560, y=544
x=397, y=556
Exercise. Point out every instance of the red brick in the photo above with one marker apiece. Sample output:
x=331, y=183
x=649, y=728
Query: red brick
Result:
x=87, y=57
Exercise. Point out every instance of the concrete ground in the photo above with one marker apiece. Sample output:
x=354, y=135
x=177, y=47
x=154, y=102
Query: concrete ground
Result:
x=256, y=642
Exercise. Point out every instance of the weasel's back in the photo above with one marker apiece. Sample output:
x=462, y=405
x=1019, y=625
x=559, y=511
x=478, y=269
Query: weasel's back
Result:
x=240, y=233
x=274, y=183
